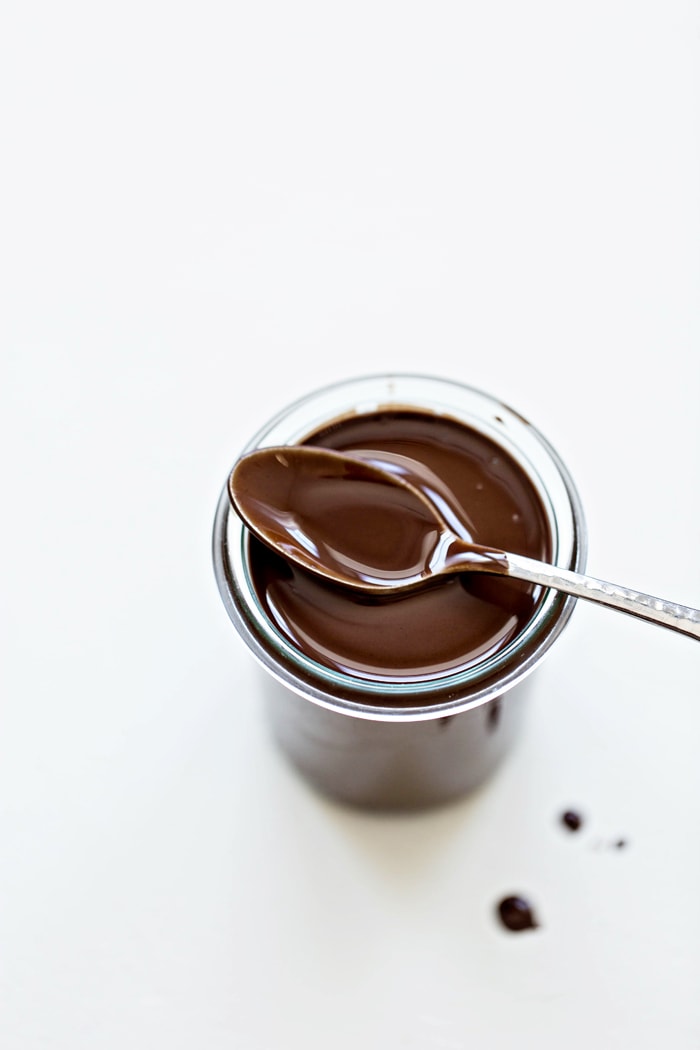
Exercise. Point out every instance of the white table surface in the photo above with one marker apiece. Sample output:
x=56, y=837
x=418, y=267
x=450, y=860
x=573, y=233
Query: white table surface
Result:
x=207, y=210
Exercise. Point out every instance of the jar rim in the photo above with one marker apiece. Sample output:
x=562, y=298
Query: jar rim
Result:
x=455, y=690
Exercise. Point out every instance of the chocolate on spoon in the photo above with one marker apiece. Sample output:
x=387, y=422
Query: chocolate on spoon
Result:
x=359, y=525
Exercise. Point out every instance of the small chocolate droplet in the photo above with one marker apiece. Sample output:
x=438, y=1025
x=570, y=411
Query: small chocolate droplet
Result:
x=572, y=820
x=516, y=914
x=621, y=843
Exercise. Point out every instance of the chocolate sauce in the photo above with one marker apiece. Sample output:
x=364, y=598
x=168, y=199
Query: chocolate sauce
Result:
x=572, y=820
x=517, y=914
x=346, y=519
x=457, y=621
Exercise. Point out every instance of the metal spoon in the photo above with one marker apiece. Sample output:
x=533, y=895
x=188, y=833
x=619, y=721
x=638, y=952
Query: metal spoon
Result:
x=356, y=524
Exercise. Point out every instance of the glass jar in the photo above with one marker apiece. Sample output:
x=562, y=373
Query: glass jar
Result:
x=398, y=743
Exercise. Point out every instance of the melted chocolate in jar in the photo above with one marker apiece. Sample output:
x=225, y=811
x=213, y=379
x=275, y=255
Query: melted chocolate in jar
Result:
x=451, y=624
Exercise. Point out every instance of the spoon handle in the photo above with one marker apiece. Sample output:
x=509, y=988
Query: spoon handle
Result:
x=679, y=618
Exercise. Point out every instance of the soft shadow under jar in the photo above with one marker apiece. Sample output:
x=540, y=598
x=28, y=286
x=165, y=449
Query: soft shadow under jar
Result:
x=410, y=701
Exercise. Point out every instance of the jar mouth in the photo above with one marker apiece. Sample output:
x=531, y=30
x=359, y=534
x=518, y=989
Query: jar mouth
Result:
x=452, y=690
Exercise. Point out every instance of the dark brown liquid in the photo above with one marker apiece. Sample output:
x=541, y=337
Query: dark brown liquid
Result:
x=516, y=914
x=572, y=820
x=343, y=518
x=452, y=624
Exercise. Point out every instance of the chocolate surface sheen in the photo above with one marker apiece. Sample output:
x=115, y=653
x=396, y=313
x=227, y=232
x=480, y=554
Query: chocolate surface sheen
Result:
x=456, y=622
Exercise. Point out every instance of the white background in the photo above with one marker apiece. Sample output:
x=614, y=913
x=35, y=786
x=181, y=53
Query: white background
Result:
x=207, y=210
